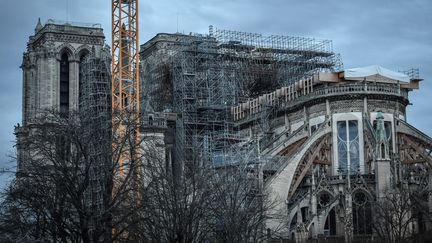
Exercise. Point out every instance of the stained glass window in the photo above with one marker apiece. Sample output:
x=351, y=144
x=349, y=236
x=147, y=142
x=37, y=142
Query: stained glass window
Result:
x=348, y=146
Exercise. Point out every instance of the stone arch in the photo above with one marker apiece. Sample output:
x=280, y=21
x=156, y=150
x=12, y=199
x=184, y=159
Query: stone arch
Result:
x=81, y=51
x=312, y=155
x=66, y=48
x=291, y=171
x=292, y=220
x=368, y=193
x=330, y=221
x=291, y=216
x=334, y=205
x=322, y=200
x=415, y=149
x=326, y=190
x=303, y=212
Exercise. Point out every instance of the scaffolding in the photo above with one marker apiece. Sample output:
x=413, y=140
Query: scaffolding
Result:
x=210, y=73
x=259, y=64
x=95, y=115
x=199, y=99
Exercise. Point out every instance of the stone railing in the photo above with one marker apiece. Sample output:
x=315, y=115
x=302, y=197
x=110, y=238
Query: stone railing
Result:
x=342, y=179
x=152, y=122
x=325, y=91
x=331, y=90
x=77, y=24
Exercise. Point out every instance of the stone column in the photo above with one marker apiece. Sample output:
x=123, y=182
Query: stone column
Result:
x=287, y=122
x=328, y=112
x=314, y=204
x=348, y=227
x=73, y=85
x=56, y=85
x=382, y=177
x=365, y=106
x=42, y=85
x=53, y=79
x=26, y=90
x=382, y=163
x=301, y=232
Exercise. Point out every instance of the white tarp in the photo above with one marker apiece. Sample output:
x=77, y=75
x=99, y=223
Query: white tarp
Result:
x=364, y=72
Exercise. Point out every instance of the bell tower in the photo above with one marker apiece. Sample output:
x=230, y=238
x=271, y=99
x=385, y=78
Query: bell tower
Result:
x=51, y=73
x=51, y=66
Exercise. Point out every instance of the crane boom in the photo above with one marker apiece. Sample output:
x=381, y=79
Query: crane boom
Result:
x=125, y=86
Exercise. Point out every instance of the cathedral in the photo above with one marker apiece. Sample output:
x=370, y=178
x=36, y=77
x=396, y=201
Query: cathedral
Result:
x=333, y=146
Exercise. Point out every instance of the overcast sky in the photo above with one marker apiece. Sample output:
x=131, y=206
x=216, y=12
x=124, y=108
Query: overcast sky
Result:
x=392, y=33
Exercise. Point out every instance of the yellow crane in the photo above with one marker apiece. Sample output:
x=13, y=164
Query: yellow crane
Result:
x=125, y=86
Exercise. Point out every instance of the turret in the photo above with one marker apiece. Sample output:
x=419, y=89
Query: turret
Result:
x=38, y=26
x=382, y=163
x=382, y=145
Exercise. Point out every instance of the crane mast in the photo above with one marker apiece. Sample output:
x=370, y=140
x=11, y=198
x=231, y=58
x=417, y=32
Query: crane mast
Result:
x=125, y=86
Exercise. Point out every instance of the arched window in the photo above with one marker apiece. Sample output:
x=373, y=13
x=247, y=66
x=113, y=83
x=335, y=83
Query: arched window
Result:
x=64, y=84
x=348, y=146
x=150, y=121
x=330, y=223
x=324, y=199
x=362, y=213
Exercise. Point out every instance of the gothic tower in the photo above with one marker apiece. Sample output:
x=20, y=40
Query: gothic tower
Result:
x=51, y=65
x=52, y=77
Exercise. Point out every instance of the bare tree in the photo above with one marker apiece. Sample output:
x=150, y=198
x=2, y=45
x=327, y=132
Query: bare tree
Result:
x=202, y=203
x=68, y=186
x=238, y=206
x=81, y=183
x=174, y=206
x=395, y=217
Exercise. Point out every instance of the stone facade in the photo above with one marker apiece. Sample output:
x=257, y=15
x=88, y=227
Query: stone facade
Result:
x=42, y=62
x=330, y=146
x=345, y=146
x=321, y=162
x=51, y=73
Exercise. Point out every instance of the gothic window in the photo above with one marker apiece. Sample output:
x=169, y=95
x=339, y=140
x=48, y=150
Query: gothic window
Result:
x=64, y=84
x=330, y=223
x=362, y=213
x=323, y=200
x=348, y=146
x=150, y=121
x=305, y=213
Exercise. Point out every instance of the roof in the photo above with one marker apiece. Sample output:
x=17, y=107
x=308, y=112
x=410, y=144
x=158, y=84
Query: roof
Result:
x=375, y=70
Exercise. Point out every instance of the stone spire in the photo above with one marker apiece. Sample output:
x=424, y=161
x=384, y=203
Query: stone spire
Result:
x=38, y=26
x=382, y=148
